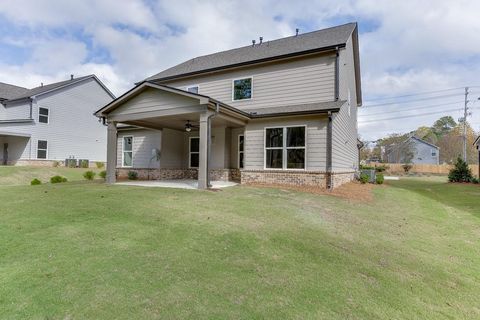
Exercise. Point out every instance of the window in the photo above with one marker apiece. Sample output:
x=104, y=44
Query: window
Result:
x=285, y=148
x=42, y=147
x=43, y=115
x=434, y=153
x=192, y=89
x=241, y=144
x=127, y=152
x=194, y=154
x=242, y=89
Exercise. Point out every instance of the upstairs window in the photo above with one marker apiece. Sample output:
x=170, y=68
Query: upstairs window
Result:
x=42, y=148
x=43, y=115
x=285, y=148
x=127, y=151
x=192, y=89
x=242, y=89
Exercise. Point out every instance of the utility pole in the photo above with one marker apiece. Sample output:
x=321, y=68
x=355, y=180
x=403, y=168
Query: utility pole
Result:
x=465, y=113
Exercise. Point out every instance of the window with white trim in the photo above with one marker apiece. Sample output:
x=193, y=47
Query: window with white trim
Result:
x=192, y=89
x=241, y=146
x=285, y=147
x=127, y=151
x=42, y=149
x=242, y=89
x=194, y=152
x=43, y=115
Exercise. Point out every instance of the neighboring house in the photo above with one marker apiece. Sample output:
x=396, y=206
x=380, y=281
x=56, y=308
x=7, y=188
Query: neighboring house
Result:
x=275, y=112
x=53, y=122
x=413, y=150
x=476, y=143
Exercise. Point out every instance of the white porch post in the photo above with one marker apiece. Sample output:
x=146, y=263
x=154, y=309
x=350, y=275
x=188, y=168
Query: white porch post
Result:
x=111, y=152
x=203, y=151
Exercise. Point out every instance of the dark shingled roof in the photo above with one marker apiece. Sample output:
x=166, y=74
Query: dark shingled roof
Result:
x=8, y=91
x=32, y=92
x=284, y=47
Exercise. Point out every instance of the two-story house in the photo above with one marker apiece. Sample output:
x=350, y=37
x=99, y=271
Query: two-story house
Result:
x=273, y=112
x=413, y=150
x=53, y=122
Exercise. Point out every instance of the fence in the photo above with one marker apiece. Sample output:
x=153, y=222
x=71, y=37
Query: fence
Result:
x=441, y=169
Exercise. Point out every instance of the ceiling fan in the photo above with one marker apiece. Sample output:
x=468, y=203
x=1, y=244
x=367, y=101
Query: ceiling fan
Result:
x=189, y=126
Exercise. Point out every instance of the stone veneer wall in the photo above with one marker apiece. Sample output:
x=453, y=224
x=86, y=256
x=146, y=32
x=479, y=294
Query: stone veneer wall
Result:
x=294, y=178
x=177, y=174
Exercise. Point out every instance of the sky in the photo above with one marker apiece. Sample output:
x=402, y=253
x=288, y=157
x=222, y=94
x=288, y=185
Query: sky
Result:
x=424, y=50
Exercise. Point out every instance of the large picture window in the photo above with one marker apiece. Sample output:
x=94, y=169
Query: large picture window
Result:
x=285, y=148
x=242, y=89
x=43, y=115
x=194, y=154
x=42, y=149
x=127, y=151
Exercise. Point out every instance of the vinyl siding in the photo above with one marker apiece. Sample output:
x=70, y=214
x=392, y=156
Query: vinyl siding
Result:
x=234, y=146
x=345, y=128
x=316, y=141
x=153, y=100
x=19, y=110
x=72, y=129
x=423, y=153
x=144, y=141
x=302, y=80
x=173, y=149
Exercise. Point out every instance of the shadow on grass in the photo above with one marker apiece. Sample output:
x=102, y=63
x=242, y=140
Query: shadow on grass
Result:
x=461, y=196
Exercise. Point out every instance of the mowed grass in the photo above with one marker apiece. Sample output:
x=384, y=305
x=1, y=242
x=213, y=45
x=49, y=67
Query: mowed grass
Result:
x=22, y=175
x=91, y=251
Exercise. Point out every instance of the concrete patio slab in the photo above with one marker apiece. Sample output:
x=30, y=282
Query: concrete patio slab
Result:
x=179, y=184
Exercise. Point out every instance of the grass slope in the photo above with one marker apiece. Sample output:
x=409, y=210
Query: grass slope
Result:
x=22, y=175
x=86, y=250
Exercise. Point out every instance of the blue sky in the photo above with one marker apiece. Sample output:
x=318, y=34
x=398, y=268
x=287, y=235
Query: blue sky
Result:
x=406, y=46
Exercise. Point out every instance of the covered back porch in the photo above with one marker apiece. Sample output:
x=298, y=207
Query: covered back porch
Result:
x=163, y=133
x=13, y=147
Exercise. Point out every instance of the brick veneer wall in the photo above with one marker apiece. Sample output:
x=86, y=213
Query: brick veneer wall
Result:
x=44, y=163
x=176, y=174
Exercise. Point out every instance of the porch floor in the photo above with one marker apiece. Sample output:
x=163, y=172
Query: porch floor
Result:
x=180, y=184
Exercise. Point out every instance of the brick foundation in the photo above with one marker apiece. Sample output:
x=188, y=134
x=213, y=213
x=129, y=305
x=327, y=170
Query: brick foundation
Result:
x=44, y=163
x=178, y=174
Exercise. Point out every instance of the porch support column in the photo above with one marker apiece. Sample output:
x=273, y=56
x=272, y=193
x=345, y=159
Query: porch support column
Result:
x=204, y=150
x=111, y=152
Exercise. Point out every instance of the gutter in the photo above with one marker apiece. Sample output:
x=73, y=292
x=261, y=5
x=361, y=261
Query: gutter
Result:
x=329, y=151
x=337, y=74
x=17, y=121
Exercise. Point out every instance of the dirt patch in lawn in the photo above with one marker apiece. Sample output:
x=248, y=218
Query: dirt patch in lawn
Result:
x=354, y=191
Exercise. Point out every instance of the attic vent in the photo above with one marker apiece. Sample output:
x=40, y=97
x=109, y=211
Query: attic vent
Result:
x=296, y=31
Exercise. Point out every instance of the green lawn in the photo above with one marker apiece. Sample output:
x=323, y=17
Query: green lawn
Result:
x=17, y=175
x=84, y=250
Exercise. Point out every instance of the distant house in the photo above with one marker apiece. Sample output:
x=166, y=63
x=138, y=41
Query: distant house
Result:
x=413, y=150
x=53, y=121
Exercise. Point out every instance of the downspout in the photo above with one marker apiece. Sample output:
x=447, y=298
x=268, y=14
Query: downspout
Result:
x=209, y=141
x=337, y=80
x=31, y=108
x=329, y=151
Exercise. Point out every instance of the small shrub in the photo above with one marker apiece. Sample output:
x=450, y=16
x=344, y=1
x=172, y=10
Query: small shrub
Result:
x=100, y=165
x=407, y=167
x=379, y=178
x=475, y=180
x=56, y=164
x=58, y=179
x=103, y=174
x=89, y=175
x=35, y=182
x=461, y=172
x=83, y=163
x=365, y=167
x=381, y=168
x=364, y=178
x=132, y=175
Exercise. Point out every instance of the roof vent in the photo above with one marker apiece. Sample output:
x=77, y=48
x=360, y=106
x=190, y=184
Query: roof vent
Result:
x=253, y=43
x=71, y=77
x=261, y=40
x=41, y=84
x=296, y=31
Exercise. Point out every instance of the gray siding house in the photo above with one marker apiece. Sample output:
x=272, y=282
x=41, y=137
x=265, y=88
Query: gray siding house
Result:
x=421, y=152
x=274, y=112
x=52, y=122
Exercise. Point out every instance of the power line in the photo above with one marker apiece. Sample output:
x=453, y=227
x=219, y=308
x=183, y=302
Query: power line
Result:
x=410, y=116
x=415, y=94
x=412, y=109
x=413, y=100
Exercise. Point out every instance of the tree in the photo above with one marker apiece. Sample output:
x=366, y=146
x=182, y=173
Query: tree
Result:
x=427, y=134
x=461, y=172
x=451, y=145
x=443, y=126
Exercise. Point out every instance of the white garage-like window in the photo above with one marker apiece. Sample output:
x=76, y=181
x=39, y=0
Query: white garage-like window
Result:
x=285, y=148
